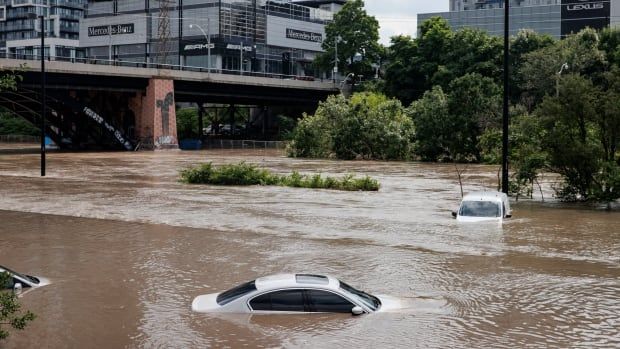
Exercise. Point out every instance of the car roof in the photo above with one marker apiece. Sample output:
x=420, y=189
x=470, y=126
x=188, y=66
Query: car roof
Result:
x=486, y=196
x=296, y=280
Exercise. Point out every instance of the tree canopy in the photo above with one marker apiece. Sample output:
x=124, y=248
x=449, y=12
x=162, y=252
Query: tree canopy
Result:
x=356, y=35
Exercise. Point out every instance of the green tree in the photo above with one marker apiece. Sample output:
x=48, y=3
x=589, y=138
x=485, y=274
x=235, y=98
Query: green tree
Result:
x=472, y=51
x=367, y=126
x=475, y=105
x=439, y=56
x=526, y=41
x=14, y=125
x=433, y=124
x=449, y=127
x=610, y=44
x=375, y=127
x=11, y=124
x=540, y=68
x=357, y=33
x=187, y=123
x=402, y=76
x=11, y=313
x=581, y=140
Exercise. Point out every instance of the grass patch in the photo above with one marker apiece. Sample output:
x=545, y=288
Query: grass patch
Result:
x=246, y=174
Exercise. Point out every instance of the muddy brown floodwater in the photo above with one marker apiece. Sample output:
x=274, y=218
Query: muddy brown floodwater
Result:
x=128, y=247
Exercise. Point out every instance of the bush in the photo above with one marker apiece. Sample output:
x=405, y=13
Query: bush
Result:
x=368, y=126
x=246, y=174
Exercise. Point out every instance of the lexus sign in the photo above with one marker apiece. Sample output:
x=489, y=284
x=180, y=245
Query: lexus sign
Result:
x=579, y=14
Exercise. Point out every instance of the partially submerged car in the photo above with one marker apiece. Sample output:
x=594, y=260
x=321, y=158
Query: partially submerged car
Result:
x=483, y=206
x=294, y=293
x=19, y=282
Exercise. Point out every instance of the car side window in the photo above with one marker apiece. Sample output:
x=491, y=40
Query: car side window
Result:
x=286, y=300
x=328, y=302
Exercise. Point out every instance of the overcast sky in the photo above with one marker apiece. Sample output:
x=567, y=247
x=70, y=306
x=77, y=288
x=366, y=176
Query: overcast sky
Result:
x=400, y=16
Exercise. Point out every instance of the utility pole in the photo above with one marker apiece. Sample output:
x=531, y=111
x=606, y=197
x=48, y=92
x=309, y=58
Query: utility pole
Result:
x=506, y=117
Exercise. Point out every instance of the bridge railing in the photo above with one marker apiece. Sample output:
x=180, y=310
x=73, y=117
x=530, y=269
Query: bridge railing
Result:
x=19, y=139
x=243, y=144
x=135, y=64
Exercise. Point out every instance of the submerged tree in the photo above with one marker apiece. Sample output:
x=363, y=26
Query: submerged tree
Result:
x=11, y=314
x=368, y=126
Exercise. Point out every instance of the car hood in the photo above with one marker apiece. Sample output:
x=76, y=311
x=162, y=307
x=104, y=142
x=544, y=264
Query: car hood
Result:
x=206, y=303
x=42, y=281
x=389, y=303
x=478, y=219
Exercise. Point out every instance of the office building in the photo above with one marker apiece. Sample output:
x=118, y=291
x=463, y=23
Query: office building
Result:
x=557, y=18
x=259, y=36
x=20, y=34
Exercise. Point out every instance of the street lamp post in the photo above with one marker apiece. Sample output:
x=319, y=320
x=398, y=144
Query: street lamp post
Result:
x=43, y=101
x=44, y=106
x=335, y=58
x=505, y=109
x=208, y=37
x=557, y=79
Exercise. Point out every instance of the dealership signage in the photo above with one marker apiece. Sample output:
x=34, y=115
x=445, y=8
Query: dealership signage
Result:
x=579, y=14
x=197, y=47
x=303, y=35
x=114, y=29
x=201, y=47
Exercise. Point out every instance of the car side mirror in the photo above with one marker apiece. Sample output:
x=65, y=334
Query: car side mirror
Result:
x=508, y=216
x=357, y=310
x=454, y=214
x=17, y=288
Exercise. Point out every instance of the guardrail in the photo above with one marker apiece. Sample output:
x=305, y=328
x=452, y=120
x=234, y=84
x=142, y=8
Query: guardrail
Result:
x=19, y=139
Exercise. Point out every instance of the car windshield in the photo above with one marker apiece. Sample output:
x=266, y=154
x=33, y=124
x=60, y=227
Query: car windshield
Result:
x=370, y=301
x=23, y=276
x=480, y=209
x=236, y=292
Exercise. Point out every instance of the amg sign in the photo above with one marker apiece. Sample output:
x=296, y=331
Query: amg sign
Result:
x=579, y=14
x=303, y=35
x=114, y=29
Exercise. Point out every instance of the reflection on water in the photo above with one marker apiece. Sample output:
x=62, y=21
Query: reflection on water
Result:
x=128, y=247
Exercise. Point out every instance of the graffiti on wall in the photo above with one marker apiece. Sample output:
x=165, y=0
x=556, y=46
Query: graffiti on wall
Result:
x=101, y=121
x=164, y=106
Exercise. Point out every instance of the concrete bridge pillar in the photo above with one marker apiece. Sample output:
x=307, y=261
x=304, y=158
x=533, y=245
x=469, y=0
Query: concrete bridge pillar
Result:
x=156, y=121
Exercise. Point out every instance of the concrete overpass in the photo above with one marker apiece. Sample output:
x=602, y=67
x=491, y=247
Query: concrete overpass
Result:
x=106, y=94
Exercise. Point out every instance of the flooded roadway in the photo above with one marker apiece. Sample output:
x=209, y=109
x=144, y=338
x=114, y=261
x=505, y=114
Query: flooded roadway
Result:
x=128, y=247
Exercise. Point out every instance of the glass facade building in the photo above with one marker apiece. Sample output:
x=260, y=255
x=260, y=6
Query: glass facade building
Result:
x=557, y=18
x=262, y=36
x=20, y=35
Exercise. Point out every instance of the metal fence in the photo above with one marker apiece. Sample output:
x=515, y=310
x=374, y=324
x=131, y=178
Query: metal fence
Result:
x=19, y=139
x=243, y=144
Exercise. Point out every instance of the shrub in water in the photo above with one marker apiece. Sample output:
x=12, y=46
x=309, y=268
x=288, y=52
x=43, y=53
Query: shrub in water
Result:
x=246, y=174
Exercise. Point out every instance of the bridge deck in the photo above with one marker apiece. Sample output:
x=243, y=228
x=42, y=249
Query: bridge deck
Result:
x=61, y=67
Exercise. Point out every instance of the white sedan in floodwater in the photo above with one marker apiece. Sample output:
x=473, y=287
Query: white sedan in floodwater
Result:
x=19, y=282
x=294, y=293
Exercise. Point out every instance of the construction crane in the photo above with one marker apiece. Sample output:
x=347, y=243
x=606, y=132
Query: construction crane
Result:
x=163, y=31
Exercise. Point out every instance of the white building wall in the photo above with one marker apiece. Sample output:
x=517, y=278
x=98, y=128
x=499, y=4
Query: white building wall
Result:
x=615, y=13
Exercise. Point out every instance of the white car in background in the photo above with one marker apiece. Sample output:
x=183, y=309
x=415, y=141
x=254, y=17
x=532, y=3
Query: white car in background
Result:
x=18, y=282
x=291, y=294
x=483, y=206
